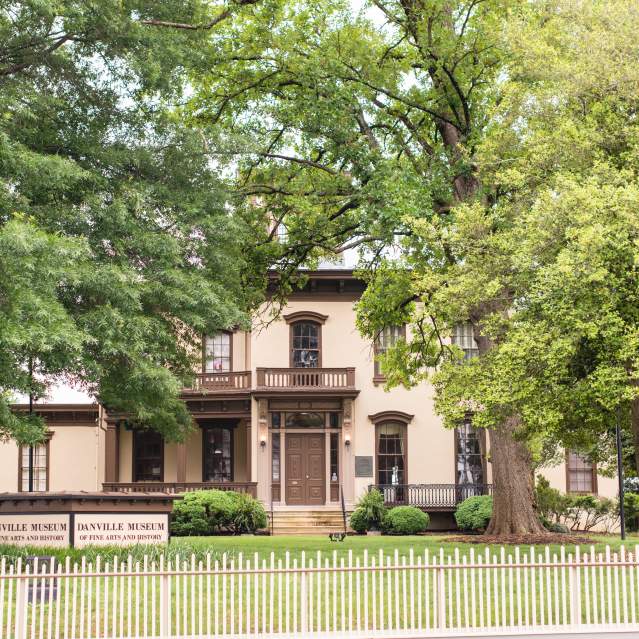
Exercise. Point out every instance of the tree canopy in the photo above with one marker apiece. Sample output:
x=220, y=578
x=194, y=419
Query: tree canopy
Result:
x=117, y=248
x=459, y=144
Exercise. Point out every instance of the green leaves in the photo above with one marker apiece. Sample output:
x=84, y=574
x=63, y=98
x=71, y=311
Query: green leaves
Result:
x=118, y=249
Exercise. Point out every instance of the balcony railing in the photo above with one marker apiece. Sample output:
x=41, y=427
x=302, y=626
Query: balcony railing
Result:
x=436, y=496
x=248, y=487
x=306, y=378
x=230, y=381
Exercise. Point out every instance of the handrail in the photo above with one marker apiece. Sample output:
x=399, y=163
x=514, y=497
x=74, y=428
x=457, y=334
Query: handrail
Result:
x=180, y=487
x=230, y=380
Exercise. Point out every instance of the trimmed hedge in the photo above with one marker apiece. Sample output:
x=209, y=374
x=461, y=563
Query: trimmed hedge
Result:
x=405, y=520
x=210, y=512
x=474, y=513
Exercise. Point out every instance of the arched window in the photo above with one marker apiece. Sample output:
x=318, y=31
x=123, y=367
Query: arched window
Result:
x=306, y=337
x=391, y=438
x=218, y=353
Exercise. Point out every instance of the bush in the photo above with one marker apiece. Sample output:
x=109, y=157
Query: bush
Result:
x=631, y=503
x=370, y=512
x=552, y=505
x=587, y=511
x=405, y=520
x=248, y=514
x=474, y=513
x=358, y=520
x=555, y=527
x=207, y=512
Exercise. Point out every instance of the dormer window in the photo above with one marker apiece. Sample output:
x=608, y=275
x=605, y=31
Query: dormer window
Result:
x=217, y=353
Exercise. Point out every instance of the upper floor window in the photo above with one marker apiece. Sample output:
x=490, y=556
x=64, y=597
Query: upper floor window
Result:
x=148, y=456
x=464, y=337
x=468, y=457
x=217, y=356
x=387, y=338
x=306, y=345
x=581, y=474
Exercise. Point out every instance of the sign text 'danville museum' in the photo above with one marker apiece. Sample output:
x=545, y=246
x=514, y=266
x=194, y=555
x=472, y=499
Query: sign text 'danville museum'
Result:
x=79, y=520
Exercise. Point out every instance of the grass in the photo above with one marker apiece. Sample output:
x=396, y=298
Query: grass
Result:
x=338, y=601
x=295, y=546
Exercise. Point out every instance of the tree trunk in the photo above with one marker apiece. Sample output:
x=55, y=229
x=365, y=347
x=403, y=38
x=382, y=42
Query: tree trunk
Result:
x=513, y=496
x=513, y=479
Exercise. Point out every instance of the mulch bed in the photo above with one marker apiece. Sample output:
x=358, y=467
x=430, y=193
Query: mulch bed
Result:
x=521, y=540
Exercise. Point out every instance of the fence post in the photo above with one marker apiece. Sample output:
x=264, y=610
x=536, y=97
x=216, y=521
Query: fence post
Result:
x=22, y=586
x=164, y=601
x=441, y=598
x=304, y=598
x=575, y=591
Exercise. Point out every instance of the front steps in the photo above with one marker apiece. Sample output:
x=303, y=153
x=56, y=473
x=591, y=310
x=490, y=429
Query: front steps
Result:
x=307, y=522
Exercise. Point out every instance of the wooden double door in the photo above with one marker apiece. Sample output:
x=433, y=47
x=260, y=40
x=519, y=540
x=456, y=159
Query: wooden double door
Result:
x=306, y=469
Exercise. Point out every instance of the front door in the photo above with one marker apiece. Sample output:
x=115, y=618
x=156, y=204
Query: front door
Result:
x=305, y=469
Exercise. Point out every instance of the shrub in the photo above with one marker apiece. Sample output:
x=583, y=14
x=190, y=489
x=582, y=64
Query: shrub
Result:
x=631, y=502
x=358, y=520
x=474, y=513
x=248, y=514
x=552, y=505
x=555, y=527
x=405, y=520
x=207, y=512
x=586, y=511
x=369, y=512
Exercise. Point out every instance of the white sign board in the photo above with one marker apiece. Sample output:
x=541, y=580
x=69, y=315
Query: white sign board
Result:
x=35, y=530
x=120, y=529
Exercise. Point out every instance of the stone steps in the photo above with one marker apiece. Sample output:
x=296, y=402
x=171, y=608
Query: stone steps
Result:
x=307, y=522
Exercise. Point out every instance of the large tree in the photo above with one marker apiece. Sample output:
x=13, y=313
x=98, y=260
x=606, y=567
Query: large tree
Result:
x=117, y=247
x=411, y=130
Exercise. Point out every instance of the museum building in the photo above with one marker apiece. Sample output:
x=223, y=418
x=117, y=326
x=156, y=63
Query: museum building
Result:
x=295, y=413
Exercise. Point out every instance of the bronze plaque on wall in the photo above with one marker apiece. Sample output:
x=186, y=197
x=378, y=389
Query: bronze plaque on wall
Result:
x=363, y=466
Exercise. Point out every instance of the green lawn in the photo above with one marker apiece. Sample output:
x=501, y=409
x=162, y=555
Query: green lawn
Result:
x=295, y=545
x=336, y=601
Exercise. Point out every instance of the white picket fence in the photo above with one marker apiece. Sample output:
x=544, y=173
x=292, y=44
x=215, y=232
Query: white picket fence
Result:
x=371, y=596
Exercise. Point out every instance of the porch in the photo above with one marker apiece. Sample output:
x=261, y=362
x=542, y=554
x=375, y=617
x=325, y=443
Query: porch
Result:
x=215, y=455
x=250, y=488
x=430, y=497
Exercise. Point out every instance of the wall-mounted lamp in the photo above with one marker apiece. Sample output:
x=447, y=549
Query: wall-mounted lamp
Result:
x=263, y=442
x=347, y=440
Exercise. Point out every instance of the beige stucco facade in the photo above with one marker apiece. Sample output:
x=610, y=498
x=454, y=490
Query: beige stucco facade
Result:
x=89, y=449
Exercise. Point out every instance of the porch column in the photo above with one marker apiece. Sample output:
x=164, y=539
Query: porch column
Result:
x=180, y=451
x=249, y=445
x=347, y=468
x=263, y=457
x=112, y=452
